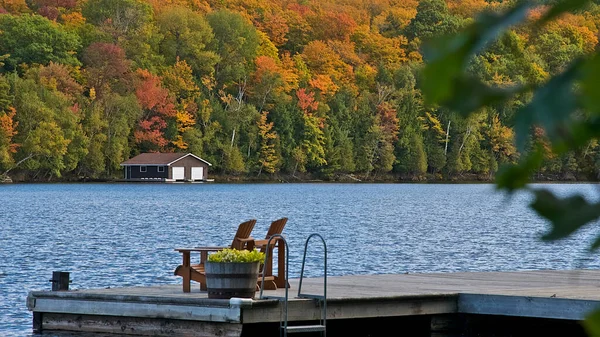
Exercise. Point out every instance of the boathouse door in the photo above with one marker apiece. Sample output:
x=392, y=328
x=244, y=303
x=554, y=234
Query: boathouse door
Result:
x=178, y=173
x=197, y=173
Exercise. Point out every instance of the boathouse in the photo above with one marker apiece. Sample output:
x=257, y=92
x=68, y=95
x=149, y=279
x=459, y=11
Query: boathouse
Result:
x=169, y=167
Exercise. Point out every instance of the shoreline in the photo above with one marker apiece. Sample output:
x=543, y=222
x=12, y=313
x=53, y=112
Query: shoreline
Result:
x=352, y=178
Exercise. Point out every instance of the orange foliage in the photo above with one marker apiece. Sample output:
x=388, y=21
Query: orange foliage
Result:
x=276, y=27
x=306, y=101
x=324, y=84
x=159, y=105
x=268, y=68
x=152, y=96
x=74, y=19
x=571, y=24
x=14, y=6
x=150, y=131
x=333, y=26
x=303, y=10
x=8, y=128
x=346, y=51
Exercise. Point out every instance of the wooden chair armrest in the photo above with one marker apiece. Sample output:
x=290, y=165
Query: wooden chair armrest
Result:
x=200, y=249
x=245, y=240
x=264, y=242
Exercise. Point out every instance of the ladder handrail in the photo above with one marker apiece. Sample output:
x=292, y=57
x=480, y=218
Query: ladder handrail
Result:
x=324, y=298
x=304, y=261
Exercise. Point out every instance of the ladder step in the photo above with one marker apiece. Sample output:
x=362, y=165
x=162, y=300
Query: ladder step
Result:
x=311, y=296
x=305, y=328
x=281, y=298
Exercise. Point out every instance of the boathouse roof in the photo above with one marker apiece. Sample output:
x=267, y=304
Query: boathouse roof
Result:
x=157, y=158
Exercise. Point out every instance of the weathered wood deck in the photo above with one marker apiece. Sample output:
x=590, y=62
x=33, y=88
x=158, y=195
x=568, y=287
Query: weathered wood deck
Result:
x=168, y=311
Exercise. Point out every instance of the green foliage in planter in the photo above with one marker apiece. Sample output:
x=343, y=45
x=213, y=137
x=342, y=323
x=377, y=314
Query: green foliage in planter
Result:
x=235, y=255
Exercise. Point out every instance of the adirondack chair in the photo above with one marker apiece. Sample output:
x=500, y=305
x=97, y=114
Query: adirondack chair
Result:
x=195, y=272
x=272, y=281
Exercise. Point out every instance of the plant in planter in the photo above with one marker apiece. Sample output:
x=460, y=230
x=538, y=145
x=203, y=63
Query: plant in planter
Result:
x=233, y=273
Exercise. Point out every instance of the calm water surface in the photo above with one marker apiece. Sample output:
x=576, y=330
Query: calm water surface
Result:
x=117, y=235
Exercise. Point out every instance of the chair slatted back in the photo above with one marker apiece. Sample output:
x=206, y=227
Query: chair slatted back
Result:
x=243, y=232
x=276, y=227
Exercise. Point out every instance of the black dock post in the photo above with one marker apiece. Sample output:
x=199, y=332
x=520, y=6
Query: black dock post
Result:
x=60, y=280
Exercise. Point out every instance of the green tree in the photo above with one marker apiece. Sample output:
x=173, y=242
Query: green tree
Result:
x=109, y=123
x=236, y=43
x=432, y=19
x=130, y=24
x=186, y=35
x=33, y=39
x=51, y=138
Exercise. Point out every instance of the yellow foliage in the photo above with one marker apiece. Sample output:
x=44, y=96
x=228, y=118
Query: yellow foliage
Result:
x=185, y=121
x=324, y=84
x=74, y=19
x=266, y=47
x=179, y=143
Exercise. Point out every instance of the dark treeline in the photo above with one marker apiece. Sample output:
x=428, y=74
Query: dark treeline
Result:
x=325, y=89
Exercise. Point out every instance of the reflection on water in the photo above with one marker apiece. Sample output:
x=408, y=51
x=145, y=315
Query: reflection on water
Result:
x=114, y=235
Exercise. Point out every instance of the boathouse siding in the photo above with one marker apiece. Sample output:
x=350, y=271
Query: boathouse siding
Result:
x=166, y=167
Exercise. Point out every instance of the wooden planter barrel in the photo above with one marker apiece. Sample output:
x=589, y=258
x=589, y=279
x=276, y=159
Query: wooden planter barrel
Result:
x=231, y=279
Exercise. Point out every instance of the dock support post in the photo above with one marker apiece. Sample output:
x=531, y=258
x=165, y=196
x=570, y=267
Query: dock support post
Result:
x=447, y=325
x=37, y=322
x=60, y=280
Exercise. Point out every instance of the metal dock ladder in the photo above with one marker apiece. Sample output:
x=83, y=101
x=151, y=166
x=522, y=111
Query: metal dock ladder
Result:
x=321, y=299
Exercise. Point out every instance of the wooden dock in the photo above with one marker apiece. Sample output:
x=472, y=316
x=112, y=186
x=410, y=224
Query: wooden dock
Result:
x=167, y=311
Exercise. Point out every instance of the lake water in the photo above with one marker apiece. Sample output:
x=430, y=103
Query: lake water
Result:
x=116, y=235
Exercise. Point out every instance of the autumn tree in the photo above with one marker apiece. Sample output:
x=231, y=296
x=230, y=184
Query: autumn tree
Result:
x=159, y=110
x=313, y=141
x=268, y=157
x=61, y=78
x=179, y=80
x=107, y=69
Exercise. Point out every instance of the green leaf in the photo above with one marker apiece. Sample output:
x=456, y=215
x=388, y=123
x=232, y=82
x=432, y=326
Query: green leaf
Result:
x=446, y=60
x=550, y=107
x=591, y=323
x=479, y=95
x=566, y=215
x=576, y=134
x=514, y=177
x=590, y=86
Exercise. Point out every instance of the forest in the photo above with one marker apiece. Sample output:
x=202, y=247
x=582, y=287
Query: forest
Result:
x=278, y=89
